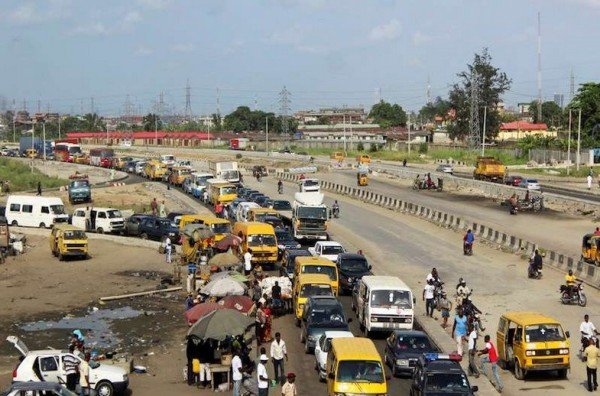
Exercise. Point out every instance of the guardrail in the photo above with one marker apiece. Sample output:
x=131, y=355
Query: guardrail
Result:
x=585, y=271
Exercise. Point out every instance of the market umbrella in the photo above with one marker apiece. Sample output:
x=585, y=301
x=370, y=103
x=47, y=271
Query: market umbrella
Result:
x=193, y=314
x=244, y=304
x=229, y=241
x=223, y=287
x=217, y=325
x=229, y=274
x=198, y=231
x=224, y=260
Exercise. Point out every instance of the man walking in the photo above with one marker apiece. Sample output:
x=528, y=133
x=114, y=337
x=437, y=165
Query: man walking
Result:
x=428, y=298
x=278, y=353
x=262, y=376
x=491, y=357
x=154, y=206
x=39, y=188
x=84, y=376
x=591, y=354
x=248, y=262
x=472, y=345
x=70, y=364
x=162, y=210
x=168, y=249
x=459, y=330
x=445, y=307
x=236, y=368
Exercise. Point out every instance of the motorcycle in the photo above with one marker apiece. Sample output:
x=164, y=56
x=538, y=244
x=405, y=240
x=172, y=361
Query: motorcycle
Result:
x=533, y=272
x=534, y=204
x=437, y=293
x=423, y=185
x=335, y=211
x=472, y=313
x=573, y=295
x=467, y=249
x=585, y=341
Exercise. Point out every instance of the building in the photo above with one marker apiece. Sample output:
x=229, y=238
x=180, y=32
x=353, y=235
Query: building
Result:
x=518, y=130
x=144, y=138
x=559, y=99
x=335, y=115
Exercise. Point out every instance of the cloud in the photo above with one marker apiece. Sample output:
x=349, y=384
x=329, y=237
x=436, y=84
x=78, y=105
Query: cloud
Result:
x=132, y=17
x=143, y=51
x=182, y=47
x=419, y=38
x=589, y=3
x=29, y=13
x=25, y=14
x=154, y=4
x=386, y=31
x=290, y=35
x=415, y=62
x=92, y=29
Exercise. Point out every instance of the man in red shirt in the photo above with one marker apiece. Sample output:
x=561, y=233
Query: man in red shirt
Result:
x=219, y=209
x=491, y=358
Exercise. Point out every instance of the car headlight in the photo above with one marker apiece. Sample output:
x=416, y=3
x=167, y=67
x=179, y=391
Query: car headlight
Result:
x=312, y=337
x=373, y=319
x=529, y=353
x=298, y=246
x=401, y=362
x=125, y=376
x=564, y=351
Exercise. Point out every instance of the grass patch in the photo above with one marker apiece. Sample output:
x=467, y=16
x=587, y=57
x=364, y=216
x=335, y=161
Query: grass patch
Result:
x=21, y=178
x=562, y=172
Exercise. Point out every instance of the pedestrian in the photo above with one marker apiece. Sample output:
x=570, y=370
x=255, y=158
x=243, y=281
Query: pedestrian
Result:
x=248, y=262
x=70, y=365
x=189, y=301
x=219, y=209
x=445, y=307
x=205, y=355
x=205, y=196
x=472, y=346
x=459, y=330
x=428, y=298
x=278, y=353
x=84, y=376
x=591, y=354
x=276, y=296
x=236, y=369
x=289, y=388
x=154, y=206
x=225, y=212
x=190, y=351
x=259, y=322
x=39, y=188
x=256, y=291
x=491, y=357
x=589, y=182
x=404, y=162
x=162, y=209
x=168, y=248
x=262, y=376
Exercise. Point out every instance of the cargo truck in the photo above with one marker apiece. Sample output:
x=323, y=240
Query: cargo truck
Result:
x=489, y=169
x=239, y=143
x=309, y=216
x=225, y=171
x=35, y=143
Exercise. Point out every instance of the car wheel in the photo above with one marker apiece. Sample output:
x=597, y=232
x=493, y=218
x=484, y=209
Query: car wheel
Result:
x=302, y=338
x=519, y=373
x=14, y=223
x=563, y=373
x=42, y=225
x=297, y=322
x=60, y=257
x=307, y=349
x=105, y=388
x=100, y=230
x=394, y=372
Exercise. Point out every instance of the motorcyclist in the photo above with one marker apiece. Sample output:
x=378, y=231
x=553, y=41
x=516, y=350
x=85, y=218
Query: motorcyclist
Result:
x=302, y=177
x=433, y=275
x=570, y=281
x=417, y=181
x=536, y=262
x=468, y=241
x=513, y=201
x=336, y=208
x=280, y=186
x=428, y=182
x=462, y=291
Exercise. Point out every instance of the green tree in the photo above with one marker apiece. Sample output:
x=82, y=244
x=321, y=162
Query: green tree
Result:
x=150, y=122
x=388, y=115
x=439, y=107
x=492, y=84
x=91, y=122
x=323, y=120
x=552, y=114
x=588, y=100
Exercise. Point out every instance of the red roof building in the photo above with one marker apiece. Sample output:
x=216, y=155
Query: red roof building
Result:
x=517, y=130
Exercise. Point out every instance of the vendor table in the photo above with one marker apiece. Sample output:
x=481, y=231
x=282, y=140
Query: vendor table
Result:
x=219, y=368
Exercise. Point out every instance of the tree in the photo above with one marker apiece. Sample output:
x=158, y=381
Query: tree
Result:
x=323, y=120
x=439, y=107
x=588, y=100
x=492, y=84
x=150, y=122
x=388, y=115
x=552, y=114
x=91, y=122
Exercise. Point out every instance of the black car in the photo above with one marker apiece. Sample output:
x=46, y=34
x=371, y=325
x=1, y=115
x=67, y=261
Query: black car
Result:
x=275, y=221
x=404, y=347
x=261, y=200
x=158, y=228
x=247, y=193
x=352, y=267
x=132, y=225
x=254, y=196
x=288, y=261
x=280, y=204
x=437, y=374
x=321, y=314
x=285, y=241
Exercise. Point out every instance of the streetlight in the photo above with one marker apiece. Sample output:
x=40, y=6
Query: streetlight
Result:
x=267, y=135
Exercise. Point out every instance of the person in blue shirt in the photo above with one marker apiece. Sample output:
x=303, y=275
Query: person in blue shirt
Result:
x=468, y=242
x=459, y=330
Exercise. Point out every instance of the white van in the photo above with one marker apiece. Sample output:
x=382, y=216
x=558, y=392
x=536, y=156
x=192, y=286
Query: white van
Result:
x=384, y=303
x=243, y=208
x=33, y=211
x=99, y=220
x=310, y=185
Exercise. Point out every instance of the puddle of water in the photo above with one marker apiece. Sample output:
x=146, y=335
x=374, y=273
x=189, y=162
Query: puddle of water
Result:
x=96, y=325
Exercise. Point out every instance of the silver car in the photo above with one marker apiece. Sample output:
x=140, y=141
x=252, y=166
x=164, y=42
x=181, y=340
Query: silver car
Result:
x=530, y=184
x=445, y=169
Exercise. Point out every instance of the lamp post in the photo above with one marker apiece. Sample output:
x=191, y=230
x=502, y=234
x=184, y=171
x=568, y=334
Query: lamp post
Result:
x=267, y=135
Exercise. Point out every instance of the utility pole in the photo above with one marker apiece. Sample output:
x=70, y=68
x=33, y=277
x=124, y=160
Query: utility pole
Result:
x=569, y=145
x=44, y=139
x=284, y=103
x=188, y=101
x=344, y=134
x=14, y=121
x=571, y=86
x=484, y=127
x=408, y=142
x=428, y=92
x=92, y=105
x=579, y=140
x=539, y=71
x=267, y=135
x=58, y=126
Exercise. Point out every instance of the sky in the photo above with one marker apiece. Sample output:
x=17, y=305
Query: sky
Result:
x=62, y=53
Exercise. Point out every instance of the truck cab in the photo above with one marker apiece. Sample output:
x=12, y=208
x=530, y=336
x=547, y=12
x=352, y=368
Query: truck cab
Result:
x=80, y=190
x=309, y=216
x=99, y=220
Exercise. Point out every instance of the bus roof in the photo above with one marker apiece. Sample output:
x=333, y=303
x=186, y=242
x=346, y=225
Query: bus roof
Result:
x=355, y=348
x=314, y=278
x=312, y=260
x=529, y=318
x=379, y=282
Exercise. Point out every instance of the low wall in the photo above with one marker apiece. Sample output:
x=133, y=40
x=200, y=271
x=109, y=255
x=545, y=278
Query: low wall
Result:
x=587, y=272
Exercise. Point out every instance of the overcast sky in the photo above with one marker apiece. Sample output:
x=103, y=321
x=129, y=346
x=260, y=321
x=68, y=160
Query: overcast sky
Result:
x=327, y=52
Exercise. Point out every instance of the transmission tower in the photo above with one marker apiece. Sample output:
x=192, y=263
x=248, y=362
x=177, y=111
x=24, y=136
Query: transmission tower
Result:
x=188, y=101
x=284, y=108
x=572, y=86
x=428, y=91
x=92, y=108
x=475, y=133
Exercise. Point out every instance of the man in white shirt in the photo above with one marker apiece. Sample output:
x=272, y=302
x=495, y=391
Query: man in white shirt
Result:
x=248, y=262
x=428, y=298
x=168, y=248
x=262, y=376
x=587, y=328
x=84, y=375
x=472, y=345
x=236, y=368
x=278, y=353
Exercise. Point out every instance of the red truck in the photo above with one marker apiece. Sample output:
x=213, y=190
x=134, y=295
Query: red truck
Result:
x=239, y=143
x=102, y=157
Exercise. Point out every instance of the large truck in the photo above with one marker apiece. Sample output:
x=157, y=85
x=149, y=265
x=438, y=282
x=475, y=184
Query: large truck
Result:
x=35, y=143
x=239, y=143
x=101, y=157
x=489, y=169
x=309, y=216
x=225, y=171
x=66, y=150
x=80, y=189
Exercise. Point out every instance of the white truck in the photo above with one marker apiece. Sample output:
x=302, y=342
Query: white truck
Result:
x=309, y=216
x=327, y=249
x=309, y=185
x=168, y=160
x=99, y=220
x=225, y=170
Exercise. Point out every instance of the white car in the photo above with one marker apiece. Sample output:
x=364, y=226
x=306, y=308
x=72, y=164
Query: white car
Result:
x=322, y=347
x=310, y=185
x=45, y=366
x=37, y=388
x=445, y=169
x=327, y=249
x=530, y=184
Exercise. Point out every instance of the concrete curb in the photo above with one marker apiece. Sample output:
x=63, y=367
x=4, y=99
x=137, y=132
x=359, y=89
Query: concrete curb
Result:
x=589, y=273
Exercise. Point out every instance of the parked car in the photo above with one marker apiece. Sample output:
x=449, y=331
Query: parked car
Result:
x=445, y=168
x=322, y=348
x=513, y=180
x=280, y=204
x=132, y=224
x=434, y=369
x=36, y=388
x=327, y=249
x=45, y=366
x=261, y=200
x=247, y=194
x=139, y=168
x=252, y=197
x=288, y=261
x=130, y=166
x=404, y=347
x=352, y=267
x=285, y=241
x=530, y=184
x=321, y=314
x=158, y=228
